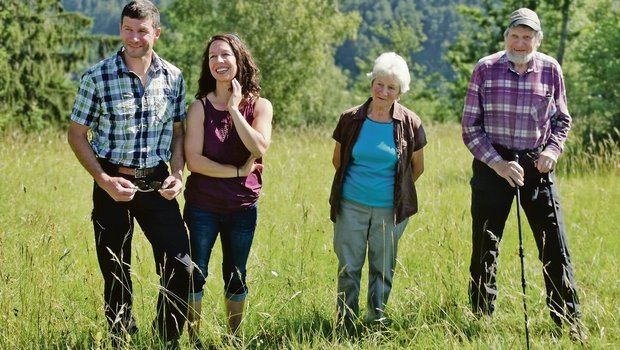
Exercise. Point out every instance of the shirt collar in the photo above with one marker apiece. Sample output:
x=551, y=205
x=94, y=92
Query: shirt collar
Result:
x=156, y=63
x=397, y=110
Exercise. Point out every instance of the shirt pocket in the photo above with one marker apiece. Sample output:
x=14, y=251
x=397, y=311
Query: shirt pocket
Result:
x=161, y=107
x=123, y=107
x=542, y=107
x=120, y=114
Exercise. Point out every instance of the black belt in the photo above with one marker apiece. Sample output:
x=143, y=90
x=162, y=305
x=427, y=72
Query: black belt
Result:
x=508, y=154
x=138, y=173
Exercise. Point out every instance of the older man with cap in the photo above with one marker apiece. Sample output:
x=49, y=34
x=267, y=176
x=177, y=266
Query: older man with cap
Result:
x=515, y=122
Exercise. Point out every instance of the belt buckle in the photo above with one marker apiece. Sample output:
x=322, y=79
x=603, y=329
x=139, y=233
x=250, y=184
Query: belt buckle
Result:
x=140, y=173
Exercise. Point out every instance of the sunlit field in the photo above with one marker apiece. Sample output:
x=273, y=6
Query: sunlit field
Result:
x=51, y=287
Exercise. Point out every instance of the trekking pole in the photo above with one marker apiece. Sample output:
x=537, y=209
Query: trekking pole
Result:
x=527, y=326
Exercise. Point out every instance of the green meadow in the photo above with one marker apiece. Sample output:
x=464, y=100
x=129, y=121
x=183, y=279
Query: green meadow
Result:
x=51, y=288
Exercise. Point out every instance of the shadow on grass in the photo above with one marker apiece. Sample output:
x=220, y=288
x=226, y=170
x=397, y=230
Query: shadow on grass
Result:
x=314, y=330
x=286, y=333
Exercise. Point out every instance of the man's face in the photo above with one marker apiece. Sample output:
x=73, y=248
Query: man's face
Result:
x=138, y=36
x=521, y=43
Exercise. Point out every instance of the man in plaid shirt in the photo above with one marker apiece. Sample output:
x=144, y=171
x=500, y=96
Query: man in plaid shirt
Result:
x=133, y=104
x=515, y=123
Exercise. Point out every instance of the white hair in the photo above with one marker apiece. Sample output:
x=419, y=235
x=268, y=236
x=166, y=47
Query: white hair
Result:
x=389, y=63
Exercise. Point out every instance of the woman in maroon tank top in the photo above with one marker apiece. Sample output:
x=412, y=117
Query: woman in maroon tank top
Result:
x=228, y=131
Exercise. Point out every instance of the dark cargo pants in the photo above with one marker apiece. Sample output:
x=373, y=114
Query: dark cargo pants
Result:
x=492, y=199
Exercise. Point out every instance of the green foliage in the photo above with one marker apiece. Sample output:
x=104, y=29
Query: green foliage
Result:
x=289, y=40
x=389, y=26
x=41, y=45
x=482, y=34
x=106, y=14
x=314, y=54
x=591, y=59
x=441, y=22
x=595, y=105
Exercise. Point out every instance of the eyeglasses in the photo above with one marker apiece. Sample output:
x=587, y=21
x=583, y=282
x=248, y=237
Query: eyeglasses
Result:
x=143, y=186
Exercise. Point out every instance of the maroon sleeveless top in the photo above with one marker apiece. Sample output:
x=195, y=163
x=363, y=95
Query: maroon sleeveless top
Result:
x=223, y=145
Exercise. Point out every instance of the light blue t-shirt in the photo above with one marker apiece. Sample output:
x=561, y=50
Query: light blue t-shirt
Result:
x=369, y=179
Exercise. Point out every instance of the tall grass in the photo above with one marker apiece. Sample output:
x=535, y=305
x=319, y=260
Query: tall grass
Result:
x=586, y=156
x=51, y=288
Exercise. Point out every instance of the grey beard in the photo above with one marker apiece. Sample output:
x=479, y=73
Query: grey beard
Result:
x=519, y=59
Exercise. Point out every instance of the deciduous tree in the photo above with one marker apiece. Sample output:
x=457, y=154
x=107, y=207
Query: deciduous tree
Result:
x=292, y=41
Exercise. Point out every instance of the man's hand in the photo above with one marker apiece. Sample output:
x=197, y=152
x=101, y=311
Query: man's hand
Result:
x=171, y=187
x=546, y=162
x=119, y=188
x=511, y=171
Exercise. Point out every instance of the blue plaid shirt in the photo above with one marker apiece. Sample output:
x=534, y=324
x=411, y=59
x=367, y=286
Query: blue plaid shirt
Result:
x=131, y=124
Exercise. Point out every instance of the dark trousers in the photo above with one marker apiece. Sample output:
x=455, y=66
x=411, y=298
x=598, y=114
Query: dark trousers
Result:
x=161, y=221
x=492, y=198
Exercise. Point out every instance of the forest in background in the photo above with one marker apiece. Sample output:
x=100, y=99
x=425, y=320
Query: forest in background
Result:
x=314, y=54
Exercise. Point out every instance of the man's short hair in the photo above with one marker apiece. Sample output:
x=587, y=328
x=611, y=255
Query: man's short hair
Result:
x=141, y=9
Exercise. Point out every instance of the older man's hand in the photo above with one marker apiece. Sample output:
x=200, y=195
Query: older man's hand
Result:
x=511, y=171
x=546, y=162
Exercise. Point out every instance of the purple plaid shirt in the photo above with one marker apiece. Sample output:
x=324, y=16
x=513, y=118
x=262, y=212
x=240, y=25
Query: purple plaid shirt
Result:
x=516, y=111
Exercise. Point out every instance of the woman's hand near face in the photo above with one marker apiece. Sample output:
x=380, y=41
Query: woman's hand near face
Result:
x=235, y=97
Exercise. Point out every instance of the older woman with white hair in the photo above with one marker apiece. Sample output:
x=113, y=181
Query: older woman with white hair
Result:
x=378, y=158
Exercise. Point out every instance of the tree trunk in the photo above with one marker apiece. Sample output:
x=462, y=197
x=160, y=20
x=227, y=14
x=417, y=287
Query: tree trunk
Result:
x=564, y=35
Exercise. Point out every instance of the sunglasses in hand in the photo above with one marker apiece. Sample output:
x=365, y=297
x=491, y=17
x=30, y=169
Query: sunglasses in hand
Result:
x=143, y=186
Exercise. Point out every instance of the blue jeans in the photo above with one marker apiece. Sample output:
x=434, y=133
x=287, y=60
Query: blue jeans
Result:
x=236, y=234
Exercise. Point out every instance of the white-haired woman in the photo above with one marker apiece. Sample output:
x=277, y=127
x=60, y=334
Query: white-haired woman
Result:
x=378, y=158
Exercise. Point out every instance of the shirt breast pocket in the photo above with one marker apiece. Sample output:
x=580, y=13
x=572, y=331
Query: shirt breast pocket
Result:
x=543, y=107
x=120, y=114
x=161, y=107
x=124, y=107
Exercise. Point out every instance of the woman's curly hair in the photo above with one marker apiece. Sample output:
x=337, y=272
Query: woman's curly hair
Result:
x=247, y=71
